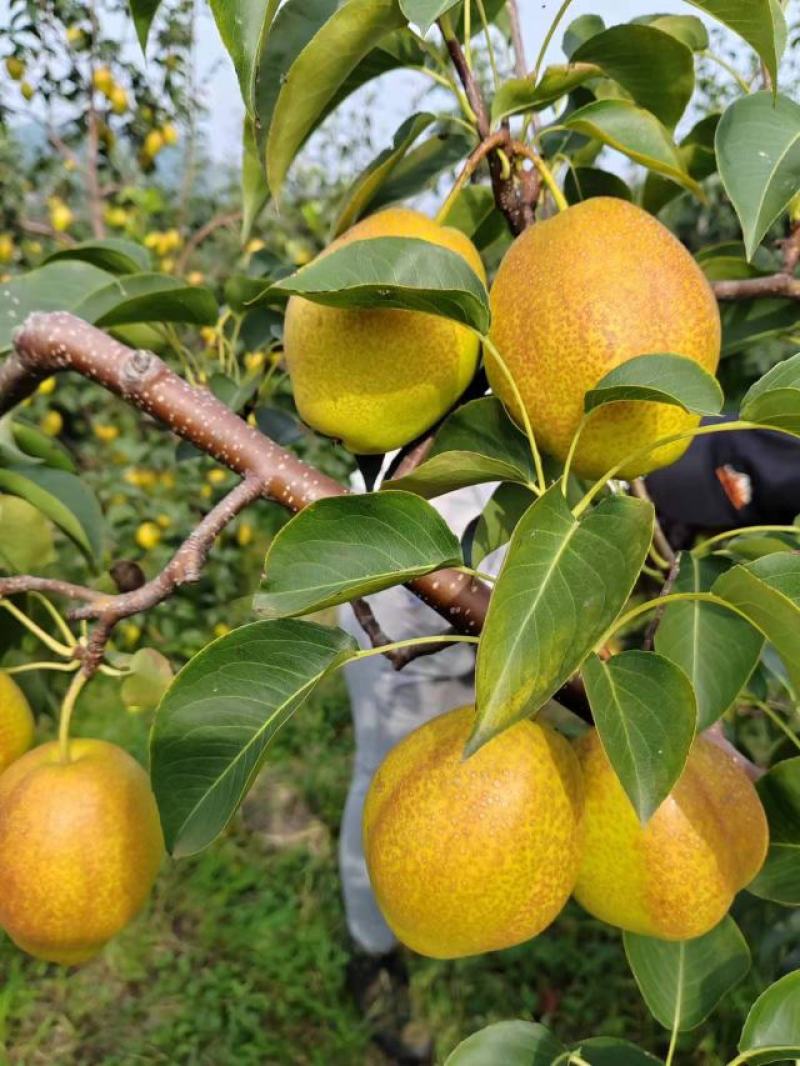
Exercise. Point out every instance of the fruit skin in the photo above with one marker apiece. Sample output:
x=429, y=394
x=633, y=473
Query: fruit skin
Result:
x=80, y=847
x=472, y=856
x=148, y=535
x=581, y=293
x=16, y=721
x=377, y=379
x=674, y=878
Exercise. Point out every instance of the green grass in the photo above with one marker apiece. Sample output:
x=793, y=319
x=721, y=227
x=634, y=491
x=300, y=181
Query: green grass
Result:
x=240, y=957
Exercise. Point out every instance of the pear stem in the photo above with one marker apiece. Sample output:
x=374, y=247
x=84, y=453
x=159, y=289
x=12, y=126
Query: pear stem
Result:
x=664, y=601
x=67, y=707
x=44, y=665
x=743, y=531
x=45, y=638
x=411, y=642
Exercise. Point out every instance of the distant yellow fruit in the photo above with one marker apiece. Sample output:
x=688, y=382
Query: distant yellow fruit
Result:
x=206, y=492
x=47, y=387
x=167, y=479
x=118, y=99
x=244, y=535
x=209, y=335
x=80, y=847
x=577, y=295
x=16, y=721
x=153, y=143
x=255, y=244
x=167, y=265
x=103, y=80
x=116, y=216
x=468, y=856
x=377, y=379
x=221, y=630
x=148, y=535
x=105, y=432
x=74, y=35
x=6, y=247
x=254, y=361
x=61, y=217
x=15, y=67
x=674, y=878
x=169, y=133
x=130, y=632
x=27, y=90
x=195, y=277
x=164, y=521
x=51, y=423
x=217, y=476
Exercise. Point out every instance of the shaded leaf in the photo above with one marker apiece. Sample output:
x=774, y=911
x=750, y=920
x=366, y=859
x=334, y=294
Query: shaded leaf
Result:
x=637, y=134
x=758, y=153
x=664, y=378
x=716, y=649
x=113, y=254
x=148, y=298
x=749, y=323
x=254, y=179
x=524, y=94
x=26, y=536
x=143, y=12
x=423, y=13
x=579, y=30
x=767, y=591
x=57, y=286
x=362, y=192
x=655, y=67
x=64, y=498
x=38, y=445
x=218, y=716
x=582, y=183
x=421, y=164
x=319, y=72
x=683, y=981
x=475, y=444
x=394, y=272
x=645, y=712
x=498, y=520
x=513, y=1043
x=337, y=549
x=562, y=584
x=687, y=28
x=772, y=1030
x=774, y=400
x=148, y=679
x=779, y=790
x=759, y=22
x=608, y=1051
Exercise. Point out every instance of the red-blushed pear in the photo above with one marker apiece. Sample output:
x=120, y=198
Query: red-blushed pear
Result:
x=675, y=877
x=473, y=855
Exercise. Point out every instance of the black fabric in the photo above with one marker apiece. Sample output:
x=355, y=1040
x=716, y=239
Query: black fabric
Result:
x=691, y=493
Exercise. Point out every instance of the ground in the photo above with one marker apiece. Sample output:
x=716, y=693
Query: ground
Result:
x=241, y=955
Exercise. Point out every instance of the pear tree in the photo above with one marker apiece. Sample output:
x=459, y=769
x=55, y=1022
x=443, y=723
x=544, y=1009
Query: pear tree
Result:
x=547, y=333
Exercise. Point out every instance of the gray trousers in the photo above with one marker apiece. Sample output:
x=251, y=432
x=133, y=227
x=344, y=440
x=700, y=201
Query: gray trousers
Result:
x=387, y=705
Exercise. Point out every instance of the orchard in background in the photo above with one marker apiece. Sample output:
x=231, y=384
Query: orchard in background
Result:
x=634, y=739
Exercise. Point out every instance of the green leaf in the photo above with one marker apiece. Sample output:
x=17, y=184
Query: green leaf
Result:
x=319, y=72
x=37, y=445
x=758, y=153
x=423, y=13
x=687, y=28
x=759, y=22
x=579, y=30
x=653, y=66
x=665, y=378
x=514, y=1043
x=772, y=1030
x=779, y=790
x=683, y=981
x=53, y=287
x=645, y=712
x=562, y=584
x=254, y=179
x=475, y=444
x=143, y=13
x=637, y=134
x=749, y=323
x=498, y=520
x=774, y=400
x=113, y=254
x=10, y=452
x=767, y=591
x=340, y=548
x=148, y=679
x=64, y=498
x=524, y=94
x=244, y=27
x=148, y=298
x=699, y=157
x=358, y=198
x=608, y=1051
x=582, y=183
x=218, y=716
x=394, y=272
x=716, y=648
x=421, y=165
x=26, y=536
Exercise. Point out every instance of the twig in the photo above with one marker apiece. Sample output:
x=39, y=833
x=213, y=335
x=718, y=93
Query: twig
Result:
x=655, y=621
x=753, y=288
x=92, y=144
x=398, y=657
x=663, y=546
x=202, y=234
x=517, y=44
x=60, y=341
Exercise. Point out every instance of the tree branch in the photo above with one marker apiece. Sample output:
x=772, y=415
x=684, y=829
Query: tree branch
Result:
x=781, y=285
x=202, y=234
x=57, y=341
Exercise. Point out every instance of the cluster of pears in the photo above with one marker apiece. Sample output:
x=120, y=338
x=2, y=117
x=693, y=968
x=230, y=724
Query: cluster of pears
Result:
x=575, y=296
x=469, y=856
x=80, y=838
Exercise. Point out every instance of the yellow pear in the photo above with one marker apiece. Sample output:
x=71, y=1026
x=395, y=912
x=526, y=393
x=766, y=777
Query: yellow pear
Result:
x=376, y=379
x=16, y=721
x=676, y=876
x=80, y=846
x=474, y=855
x=580, y=293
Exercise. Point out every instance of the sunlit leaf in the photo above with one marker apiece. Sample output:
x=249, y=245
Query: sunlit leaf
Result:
x=663, y=378
x=774, y=400
x=244, y=27
x=148, y=298
x=514, y=1043
x=113, y=254
x=59, y=286
x=759, y=22
x=772, y=1030
x=64, y=498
